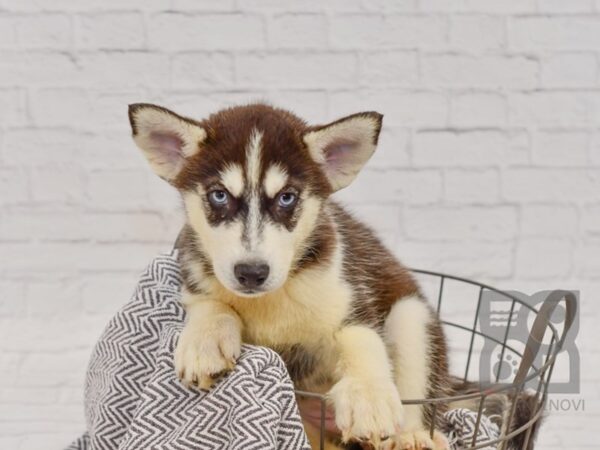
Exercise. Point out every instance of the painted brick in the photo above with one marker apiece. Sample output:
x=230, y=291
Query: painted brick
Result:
x=291, y=6
x=498, y=223
x=471, y=186
x=543, y=258
x=105, y=189
x=402, y=186
x=551, y=185
x=110, y=31
x=481, y=260
x=88, y=109
x=105, y=294
x=14, y=186
x=297, y=31
x=555, y=108
x=47, y=31
x=549, y=221
x=505, y=7
x=477, y=33
x=561, y=149
x=211, y=70
x=590, y=220
x=486, y=71
x=90, y=5
x=570, y=70
x=586, y=260
x=312, y=105
x=8, y=33
x=303, y=70
x=119, y=70
x=26, y=225
x=392, y=149
x=13, y=111
x=12, y=299
x=39, y=295
x=37, y=68
x=389, y=69
x=205, y=32
x=478, y=109
x=595, y=149
x=555, y=33
x=69, y=258
x=388, y=6
x=572, y=6
x=57, y=184
x=203, y=5
x=472, y=148
x=400, y=108
x=391, y=31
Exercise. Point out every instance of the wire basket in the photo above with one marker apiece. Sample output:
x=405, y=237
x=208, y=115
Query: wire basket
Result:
x=534, y=365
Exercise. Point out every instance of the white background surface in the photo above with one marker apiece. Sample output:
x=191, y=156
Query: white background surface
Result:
x=489, y=163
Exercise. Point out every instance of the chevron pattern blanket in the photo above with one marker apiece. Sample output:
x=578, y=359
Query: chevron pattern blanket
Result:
x=133, y=399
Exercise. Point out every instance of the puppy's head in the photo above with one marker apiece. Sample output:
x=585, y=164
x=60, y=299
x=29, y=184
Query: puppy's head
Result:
x=253, y=180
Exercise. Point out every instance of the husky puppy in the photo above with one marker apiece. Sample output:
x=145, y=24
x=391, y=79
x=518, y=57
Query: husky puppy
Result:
x=269, y=259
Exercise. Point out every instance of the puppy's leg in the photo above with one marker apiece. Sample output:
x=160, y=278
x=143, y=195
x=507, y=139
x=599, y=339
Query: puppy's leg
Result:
x=366, y=401
x=210, y=341
x=417, y=368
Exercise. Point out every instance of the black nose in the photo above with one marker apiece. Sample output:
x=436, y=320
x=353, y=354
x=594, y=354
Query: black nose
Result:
x=251, y=275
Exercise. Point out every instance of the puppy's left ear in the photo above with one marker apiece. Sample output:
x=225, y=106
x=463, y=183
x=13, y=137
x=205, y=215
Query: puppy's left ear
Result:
x=343, y=147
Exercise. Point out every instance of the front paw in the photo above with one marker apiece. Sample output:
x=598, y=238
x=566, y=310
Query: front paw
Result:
x=367, y=411
x=204, y=354
x=421, y=440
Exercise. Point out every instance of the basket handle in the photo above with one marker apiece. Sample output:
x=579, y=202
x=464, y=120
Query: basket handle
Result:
x=540, y=324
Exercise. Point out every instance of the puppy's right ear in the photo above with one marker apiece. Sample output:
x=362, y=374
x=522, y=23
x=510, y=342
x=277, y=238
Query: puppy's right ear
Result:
x=166, y=138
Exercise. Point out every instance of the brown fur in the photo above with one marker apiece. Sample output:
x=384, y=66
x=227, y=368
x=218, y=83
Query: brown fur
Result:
x=228, y=132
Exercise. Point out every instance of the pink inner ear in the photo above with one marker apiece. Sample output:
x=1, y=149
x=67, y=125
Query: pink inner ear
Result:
x=168, y=145
x=338, y=153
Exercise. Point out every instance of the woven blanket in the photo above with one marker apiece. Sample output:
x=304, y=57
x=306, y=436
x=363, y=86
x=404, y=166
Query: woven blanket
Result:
x=134, y=400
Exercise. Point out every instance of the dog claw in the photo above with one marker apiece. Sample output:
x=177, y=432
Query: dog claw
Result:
x=218, y=375
x=421, y=440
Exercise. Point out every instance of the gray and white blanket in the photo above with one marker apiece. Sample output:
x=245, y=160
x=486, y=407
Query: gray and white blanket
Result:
x=134, y=400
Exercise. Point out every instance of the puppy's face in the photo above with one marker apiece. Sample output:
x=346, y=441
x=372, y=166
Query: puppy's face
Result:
x=253, y=180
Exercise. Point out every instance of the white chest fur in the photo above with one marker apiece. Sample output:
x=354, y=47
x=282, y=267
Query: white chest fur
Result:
x=308, y=309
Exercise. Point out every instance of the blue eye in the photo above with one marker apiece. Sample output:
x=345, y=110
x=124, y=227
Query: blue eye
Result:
x=218, y=198
x=287, y=199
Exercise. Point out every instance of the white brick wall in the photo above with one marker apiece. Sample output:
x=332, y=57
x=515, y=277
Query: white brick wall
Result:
x=489, y=164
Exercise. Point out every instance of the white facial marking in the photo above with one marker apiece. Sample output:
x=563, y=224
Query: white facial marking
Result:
x=275, y=180
x=253, y=156
x=233, y=179
x=253, y=239
x=221, y=243
x=253, y=162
